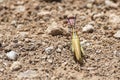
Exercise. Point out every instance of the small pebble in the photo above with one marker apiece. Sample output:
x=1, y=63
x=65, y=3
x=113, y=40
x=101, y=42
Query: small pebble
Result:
x=49, y=60
x=84, y=43
x=60, y=46
x=23, y=34
x=91, y=1
x=88, y=28
x=55, y=29
x=58, y=50
x=48, y=50
x=113, y=18
x=20, y=2
x=13, y=22
x=19, y=26
x=12, y=55
x=116, y=53
x=44, y=57
x=1, y=69
x=109, y=3
x=117, y=34
x=7, y=48
x=43, y=13
x=16, y=66
x=89, y=5
x=98, y=15
x=20, y=8
x=98, y=51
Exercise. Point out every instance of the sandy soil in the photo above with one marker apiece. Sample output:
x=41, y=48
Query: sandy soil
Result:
x=42, y=56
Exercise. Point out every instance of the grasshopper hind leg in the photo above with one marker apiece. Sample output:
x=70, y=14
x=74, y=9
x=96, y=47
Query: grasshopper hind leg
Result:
x=83, y=54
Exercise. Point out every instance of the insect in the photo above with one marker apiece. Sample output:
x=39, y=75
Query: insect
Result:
x=76, y=47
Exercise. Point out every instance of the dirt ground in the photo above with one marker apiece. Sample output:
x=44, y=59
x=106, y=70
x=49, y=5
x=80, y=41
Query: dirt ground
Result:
x=47, y=56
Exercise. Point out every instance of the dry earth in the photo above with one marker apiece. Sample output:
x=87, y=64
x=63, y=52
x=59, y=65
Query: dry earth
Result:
x=34, y=44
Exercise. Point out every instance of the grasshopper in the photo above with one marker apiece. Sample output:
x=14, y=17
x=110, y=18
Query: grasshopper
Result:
x=76, y=47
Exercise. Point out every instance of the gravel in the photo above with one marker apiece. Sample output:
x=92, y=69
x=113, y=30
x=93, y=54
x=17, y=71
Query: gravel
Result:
x=25, y=31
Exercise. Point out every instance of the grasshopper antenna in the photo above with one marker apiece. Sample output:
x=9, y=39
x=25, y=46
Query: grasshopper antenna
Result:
x=75, y=21
x=69, y=22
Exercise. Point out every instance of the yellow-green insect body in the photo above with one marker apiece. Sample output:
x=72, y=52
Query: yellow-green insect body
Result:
x=76, y=47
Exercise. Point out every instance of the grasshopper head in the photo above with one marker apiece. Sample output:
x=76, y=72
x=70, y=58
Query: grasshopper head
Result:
x=72, y=21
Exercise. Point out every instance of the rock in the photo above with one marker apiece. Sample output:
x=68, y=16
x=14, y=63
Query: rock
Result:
x=42, y=13
x=98, y=15
x=7, y=48
x=19, y=26
x=117, y=34
x=60, y=46
x=113, y=18
x=16, y=66
x=23, y=34
x=13, y=22
x=55, y=29
x=98, y=51
x=49, y=60
x=12, y=55
x=109, y=3
x=60, y=8
x=58, y=50
x=27, y=74
x=116, y=53
x=91, y=1
x=20, y=2
x=84, y=43
x=88, y=28
x=48, y=50
x=44, y=57
x=2, y=69
x=89, y=5
x=20, y=8
x=1, y=1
